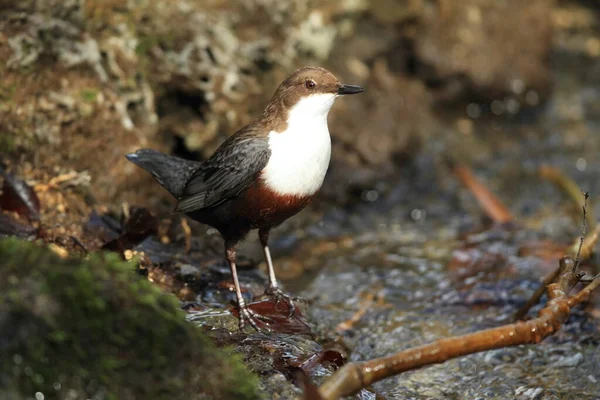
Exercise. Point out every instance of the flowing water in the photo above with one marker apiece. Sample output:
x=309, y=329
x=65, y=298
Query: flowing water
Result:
x=419, y=263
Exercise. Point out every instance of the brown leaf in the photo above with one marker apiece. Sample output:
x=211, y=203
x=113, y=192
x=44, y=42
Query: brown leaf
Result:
x=19, y=197
x=140, y=224
x=278, y=313
x=10, y=227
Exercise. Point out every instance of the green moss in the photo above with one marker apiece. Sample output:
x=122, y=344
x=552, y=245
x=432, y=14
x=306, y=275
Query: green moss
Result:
x=94, y=328
x=146, y=42
x=7, y=143
x=89, y=94
x=144, y=45
x=7, y=93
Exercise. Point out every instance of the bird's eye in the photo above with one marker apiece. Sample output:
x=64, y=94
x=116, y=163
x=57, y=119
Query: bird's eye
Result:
x=310, y=84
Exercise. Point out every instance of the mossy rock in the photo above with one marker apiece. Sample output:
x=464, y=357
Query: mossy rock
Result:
x=72, y=328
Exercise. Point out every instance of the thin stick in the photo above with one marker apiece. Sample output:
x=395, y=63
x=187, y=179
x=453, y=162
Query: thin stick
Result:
x=489, y=202
x=587, y=245
x=187, y=231
x=585, y=293
x=586, y=195
x=362, y=310
x=567, y=186
x=533, y=300
x=79, y=244
x=354, y=376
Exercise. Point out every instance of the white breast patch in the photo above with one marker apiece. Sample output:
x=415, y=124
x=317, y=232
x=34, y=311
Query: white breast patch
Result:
x=300, y=155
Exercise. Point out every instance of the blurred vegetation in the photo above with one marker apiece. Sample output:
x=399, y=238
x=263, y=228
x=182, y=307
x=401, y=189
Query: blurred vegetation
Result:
x=83, y=328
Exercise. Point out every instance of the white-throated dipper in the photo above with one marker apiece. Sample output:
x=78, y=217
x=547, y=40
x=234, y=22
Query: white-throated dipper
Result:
x=263, y=174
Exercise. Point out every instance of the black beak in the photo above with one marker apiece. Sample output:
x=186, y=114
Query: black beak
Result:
x=350, y=89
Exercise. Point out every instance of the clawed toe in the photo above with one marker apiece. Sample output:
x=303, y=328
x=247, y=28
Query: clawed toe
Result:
x=246, y=314
x=279, y=295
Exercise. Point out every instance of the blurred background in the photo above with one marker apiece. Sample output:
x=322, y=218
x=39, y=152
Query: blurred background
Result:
x=503, y=87
x=85, y=82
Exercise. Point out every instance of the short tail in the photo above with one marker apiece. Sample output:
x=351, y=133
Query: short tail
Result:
x=171, y=172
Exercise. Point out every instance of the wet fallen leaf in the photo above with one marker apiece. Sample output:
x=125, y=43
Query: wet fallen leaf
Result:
x=278, y=312
x=334, y=357
x=11, y=227
x=102, y=226
x=19, y=197
x=140, y=224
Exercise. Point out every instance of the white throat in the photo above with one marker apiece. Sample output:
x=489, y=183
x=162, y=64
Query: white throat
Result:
x=300, y=154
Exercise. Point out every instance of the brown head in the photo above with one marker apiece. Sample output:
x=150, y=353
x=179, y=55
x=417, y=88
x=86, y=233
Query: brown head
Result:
x=316, y=86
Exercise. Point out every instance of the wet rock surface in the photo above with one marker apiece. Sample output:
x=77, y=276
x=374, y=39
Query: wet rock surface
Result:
x=394, y=253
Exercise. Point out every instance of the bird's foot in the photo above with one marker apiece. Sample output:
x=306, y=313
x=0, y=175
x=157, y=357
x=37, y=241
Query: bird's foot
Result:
x=279, y=295
x=247, y=314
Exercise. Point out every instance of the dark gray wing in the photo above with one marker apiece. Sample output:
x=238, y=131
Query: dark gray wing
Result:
x=232, y=168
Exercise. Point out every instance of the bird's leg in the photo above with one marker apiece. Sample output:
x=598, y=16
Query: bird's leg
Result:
x=246, y=314
x=273, y=289
x=263, y=235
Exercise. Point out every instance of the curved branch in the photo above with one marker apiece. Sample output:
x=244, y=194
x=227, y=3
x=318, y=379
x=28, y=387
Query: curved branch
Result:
x=355, y=376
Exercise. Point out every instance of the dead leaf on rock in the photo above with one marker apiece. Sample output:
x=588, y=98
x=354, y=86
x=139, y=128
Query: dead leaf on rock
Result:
x=19, y=197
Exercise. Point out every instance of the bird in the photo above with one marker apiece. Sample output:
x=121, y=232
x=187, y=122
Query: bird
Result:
x=263, y=174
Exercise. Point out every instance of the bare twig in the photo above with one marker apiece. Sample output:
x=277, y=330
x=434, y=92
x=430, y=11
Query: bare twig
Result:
x=369, y=300
x=586, y=195
x=567, y=186
x=362, y=310
x=581, y=251
x=187, y=231
x=78, y=243
x=354, y=376
x=584, y=294
x=533, y=300
x=586, y=250
x=72, y=178
x=492, y=206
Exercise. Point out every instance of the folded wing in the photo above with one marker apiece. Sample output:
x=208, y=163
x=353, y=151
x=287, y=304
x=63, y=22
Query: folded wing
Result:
x=233, y=168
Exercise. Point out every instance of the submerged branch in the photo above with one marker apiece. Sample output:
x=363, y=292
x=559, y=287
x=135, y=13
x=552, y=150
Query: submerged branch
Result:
x=355, y=376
